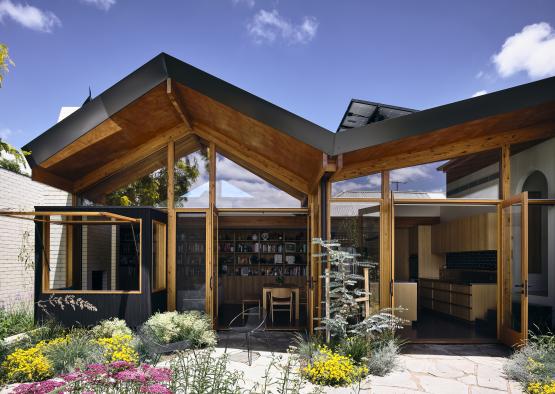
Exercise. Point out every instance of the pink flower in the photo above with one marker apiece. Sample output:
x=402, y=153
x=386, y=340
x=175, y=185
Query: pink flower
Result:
x=159, y=374
x=119, y=365
x=38, y=388
x=156, y=388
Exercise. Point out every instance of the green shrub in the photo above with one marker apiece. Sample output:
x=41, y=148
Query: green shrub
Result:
x=203, y=372
x=48, y=330
x=306, y=346
x=383, y=358
x=111, y=327
x=534, y=362
x=194, y=326
x=15, y=320
x=356, y=348
x=77, y=351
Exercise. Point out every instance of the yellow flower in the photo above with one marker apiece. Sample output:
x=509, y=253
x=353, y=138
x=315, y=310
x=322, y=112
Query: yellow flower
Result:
x=333, y=369
x=541, y=388
x=31, y=364
x=118, y=348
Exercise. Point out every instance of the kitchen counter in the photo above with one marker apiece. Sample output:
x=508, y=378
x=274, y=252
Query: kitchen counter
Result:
x=467, y=301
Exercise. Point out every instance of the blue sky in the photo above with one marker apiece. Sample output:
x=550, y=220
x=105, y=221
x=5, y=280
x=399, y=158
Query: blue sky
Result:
x=310, y=57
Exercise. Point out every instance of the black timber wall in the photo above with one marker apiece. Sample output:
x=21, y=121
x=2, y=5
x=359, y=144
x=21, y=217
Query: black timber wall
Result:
x=133, y=308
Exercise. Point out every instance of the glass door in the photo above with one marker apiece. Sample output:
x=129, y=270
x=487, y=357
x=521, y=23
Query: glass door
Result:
x=214, y=282
x=191, y=261
x=514, y=269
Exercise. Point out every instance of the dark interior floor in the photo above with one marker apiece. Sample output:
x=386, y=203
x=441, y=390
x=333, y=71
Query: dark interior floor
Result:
x=226, y=312
x=433, y=325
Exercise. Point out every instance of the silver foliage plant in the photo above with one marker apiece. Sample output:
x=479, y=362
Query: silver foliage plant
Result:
x=344, y=310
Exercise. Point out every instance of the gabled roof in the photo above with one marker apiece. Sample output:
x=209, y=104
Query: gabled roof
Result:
x=151, y=74
x=101, y=145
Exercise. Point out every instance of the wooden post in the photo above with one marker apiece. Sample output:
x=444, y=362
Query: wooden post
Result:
x=328, y=300
x=211, y=279
x=385, y=245
x=171, y=281
x=367, y=291
x=505, y=173
x=504, y=193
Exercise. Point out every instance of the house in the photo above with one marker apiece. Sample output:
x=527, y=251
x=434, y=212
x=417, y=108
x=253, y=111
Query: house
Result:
x=459, y=262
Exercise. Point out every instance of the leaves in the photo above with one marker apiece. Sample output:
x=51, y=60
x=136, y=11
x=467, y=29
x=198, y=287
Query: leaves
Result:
x=151, y=190
x=5, y=61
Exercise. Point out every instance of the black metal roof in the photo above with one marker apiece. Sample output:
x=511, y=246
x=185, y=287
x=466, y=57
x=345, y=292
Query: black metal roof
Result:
x=361, y=113
x=390, y=128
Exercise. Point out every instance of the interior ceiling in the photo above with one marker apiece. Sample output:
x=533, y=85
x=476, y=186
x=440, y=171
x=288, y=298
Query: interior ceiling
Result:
x=96, y=163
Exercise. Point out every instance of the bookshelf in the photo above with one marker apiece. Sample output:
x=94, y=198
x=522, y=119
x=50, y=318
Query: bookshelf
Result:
x=248, y=252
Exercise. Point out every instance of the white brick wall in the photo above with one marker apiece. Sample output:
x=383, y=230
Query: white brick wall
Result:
x=21, y=193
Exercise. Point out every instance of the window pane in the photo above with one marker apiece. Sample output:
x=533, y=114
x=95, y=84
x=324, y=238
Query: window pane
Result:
x=362, y=187
x=470, y=176
x=190, y=261
x=98, y=256
x=143, y=184
x=158, y=256
x=425, y=180
x=236, y=187
x=356, y=226
x=191, y=176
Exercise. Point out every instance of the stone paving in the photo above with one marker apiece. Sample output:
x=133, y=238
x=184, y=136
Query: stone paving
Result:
x=436, y=369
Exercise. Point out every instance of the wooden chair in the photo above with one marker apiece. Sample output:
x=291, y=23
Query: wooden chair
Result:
x=281, y=298
x=250, y=300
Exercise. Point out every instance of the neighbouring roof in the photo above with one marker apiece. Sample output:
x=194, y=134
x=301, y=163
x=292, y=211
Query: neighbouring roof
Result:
x=361, y=113
x=377, y=194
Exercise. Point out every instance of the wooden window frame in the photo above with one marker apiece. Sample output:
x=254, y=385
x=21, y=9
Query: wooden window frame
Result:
x=163, y=271
x=45, y=288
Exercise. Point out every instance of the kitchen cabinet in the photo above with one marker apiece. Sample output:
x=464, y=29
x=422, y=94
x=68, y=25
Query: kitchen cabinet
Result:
x=464, y=301
x=468, y=234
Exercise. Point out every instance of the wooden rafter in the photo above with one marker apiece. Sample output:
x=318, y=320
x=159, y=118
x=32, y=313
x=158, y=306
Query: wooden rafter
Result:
x=44, y=176
x=255, y=162
x=100, y=132
x=177, y=103
x=435, y=147
x=138, y=154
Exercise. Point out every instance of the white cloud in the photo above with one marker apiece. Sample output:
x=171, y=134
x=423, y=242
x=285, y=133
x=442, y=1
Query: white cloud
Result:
x=268, y=26
x=480, y=93
x=408, y=174
x=104, y=5
x=264, y=194
x=248, y=3
x=29, y=16
x=532, y=50
x=5, y=133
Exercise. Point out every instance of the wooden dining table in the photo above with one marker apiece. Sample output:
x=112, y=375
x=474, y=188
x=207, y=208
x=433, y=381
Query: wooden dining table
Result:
x=267, y=288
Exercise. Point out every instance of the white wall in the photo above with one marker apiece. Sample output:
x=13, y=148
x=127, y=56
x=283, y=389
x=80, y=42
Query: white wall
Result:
x=19, y=192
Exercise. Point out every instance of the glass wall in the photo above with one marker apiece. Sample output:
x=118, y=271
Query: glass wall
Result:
x=190, y=261
x=356, y=226
x=472, y=176
x=236, y=187
x=362, y=187
x=191, y=181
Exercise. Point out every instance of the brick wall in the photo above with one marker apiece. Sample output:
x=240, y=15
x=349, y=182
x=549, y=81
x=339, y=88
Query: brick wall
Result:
x=18, y=192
